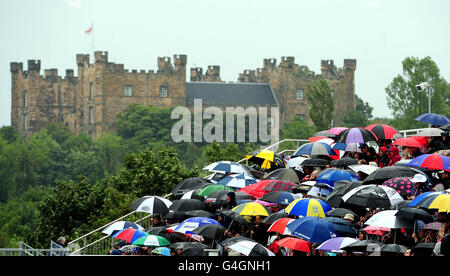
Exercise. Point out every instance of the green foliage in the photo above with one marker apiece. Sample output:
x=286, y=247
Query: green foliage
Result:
x=360, y=116
x=321, y=103
x=406, y=102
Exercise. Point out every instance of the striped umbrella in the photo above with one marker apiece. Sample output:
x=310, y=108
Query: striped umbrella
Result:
x=382, y=131
x=336, y=244
x=190, y=224
x=120, y=225
x=280, y=226
x=308, y=207
x=151, y=240
x=372, y=196
x=250, y=248
x=316, y=148
x=130, y=235
x=432, y=200
x=237, y=180
x=431, y=162
x=225, y=167
x=251, y=209
x=151, y=204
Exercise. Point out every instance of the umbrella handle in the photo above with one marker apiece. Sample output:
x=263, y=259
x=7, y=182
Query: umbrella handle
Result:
x=230, y=224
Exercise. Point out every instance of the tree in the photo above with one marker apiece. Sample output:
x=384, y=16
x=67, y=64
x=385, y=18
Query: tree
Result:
x=360, y=116
x=406, y=102
x=321, y=109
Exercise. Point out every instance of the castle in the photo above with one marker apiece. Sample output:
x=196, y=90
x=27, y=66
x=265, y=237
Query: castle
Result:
x=90, y=101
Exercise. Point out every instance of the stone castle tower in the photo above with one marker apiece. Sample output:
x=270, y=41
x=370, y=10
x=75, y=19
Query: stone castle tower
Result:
x=90, y=101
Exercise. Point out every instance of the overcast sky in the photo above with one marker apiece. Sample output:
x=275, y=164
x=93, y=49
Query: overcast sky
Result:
x=235, y=34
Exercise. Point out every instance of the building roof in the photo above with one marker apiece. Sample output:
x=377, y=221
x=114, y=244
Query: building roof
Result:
x=231, y=94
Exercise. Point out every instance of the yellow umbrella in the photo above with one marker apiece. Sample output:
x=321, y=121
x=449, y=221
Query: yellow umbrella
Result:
x=264, y=158
x=441, y=202
x=251, y=209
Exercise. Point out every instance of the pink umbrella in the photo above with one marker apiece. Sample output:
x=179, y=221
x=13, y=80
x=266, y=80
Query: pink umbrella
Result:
x=265, y=203
x=337, y=130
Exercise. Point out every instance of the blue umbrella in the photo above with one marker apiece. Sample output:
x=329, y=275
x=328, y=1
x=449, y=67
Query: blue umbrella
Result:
x=303, y=207
x=316, y=148
x=280, y=197
x=343, y=227
x=190, y=224
x=312, y=229
x=433, y=119
x=162, y=251
x=237, y=180
x=331, y=176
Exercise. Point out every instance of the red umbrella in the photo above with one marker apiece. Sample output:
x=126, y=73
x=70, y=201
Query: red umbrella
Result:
x=382, y=131
x=431, y=161
x=295, y=244
x=407, y=142
x=279, y=226
x=263, y=187
x=280, y=185
x=321, y=139
x=337, y=130
x=376, y=230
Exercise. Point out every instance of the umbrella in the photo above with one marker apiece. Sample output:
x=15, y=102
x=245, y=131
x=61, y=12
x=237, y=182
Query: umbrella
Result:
x=295, y=244
x=120, y=225
x=445, y=127
x=237, y=180
x=385, y=173
x=342, y=227
x=413, y=213
x=161, y=251
x=280, y=226
x=295, y=161
x=151, y=240
x=364, y=246
x=315, y=162
x=388, y=219
x=285, y=174
x=312, y=229
x=337, y=130
x=266, y=159
x=356, y=135
x=193, y=195
x=400, y=205
x=341, y=212
x=310, y=207
x=274, y=217
x=316, y=148
x=251, y=209
x=393, y=248
x=129, y=248
x=151, y=204
x=211, y=188
x=433, y=226
x=344, y=162
x=431, y=162
x=322, y=139
x=376, y=230
x=367, y=169
x=184, y=205
x=430, y=132
x=212, y=231
x=189, y=184
x=407, y=142
x=372, y=196
x=225, y=167
x=332, y=176
x=187, y=226
x=402, y=185
x=320, y=191
x=189, y=248
x=234, y=216
x=279, y=185
x=324, y=133
x=250, y=248
x=198, y=213
x=280, y=197
x=336, y=244
x=233, y=240
x=130, y=235
x=260, y=188
x=382, y=131
x=334, y=199
x=432, y=200
x=432, y=119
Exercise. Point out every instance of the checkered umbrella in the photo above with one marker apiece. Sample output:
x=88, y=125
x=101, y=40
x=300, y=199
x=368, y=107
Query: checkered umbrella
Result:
x=225, y=167
x=237, y=180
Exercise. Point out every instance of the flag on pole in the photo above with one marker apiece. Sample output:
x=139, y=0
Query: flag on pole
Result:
x=90, y=29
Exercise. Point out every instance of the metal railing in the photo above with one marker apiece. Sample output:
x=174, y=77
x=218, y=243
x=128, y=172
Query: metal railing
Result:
x=26, y=250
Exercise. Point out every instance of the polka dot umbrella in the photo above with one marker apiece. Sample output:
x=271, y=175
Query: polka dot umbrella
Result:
x=402, y=185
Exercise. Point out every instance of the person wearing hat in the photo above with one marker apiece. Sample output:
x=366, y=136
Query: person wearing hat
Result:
x=419, y=186
x=351, y=219
x=393, y=155
x=443, y=182
x=230, y=201
x=445, y=139
x=156, y=221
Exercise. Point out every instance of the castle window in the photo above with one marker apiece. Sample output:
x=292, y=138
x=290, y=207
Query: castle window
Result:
x=332, y=94
x=301, y=116
x=163, y=91
x=25, y=99
x=300, y=94
x=128, y=90
x=25, y=122
x=91, y=115
x=91, y=91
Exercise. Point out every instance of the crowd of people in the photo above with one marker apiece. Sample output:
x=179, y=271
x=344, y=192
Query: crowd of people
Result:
x=417, y=241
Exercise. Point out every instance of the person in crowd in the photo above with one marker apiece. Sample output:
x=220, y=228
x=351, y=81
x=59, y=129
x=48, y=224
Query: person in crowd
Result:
x=382, y=159
x=445, y=139
x=156, y=221
x=434, y=144
x=420, y=186
x=405, y=153
x=414, y=152
x=393, y=155
x=230, y=201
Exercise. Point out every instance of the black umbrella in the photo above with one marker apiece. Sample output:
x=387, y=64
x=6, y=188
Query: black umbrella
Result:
x=212, y=231
x=445, y=127
x=184, y=205
x=274, y=217
x=341, y=212
x=286, y=174
x=151, y=204
x=235, y=217
x=189, y=248
x=324, y=133
x=423, y=249
x=233, y=240
x=385, y=173
x=364, y=246
x=315, y=162
x=334, y=199
x=400, y=205
x=393, y=249
x=198, y=213
x=189, y=184
x=343, y=227
x=372, y=196
x=413, y=213
x=344, y=162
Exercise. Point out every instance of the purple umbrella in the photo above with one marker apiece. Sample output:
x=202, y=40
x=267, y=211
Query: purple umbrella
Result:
x=356, y=135
x=335, y=244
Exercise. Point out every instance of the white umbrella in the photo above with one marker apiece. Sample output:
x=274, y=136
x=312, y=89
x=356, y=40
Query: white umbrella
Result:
x=295, y=162
x=120, y=225
x=367, y=169
x=430, y=132
x=372, y=195
x=225, y=167
x=336, y=244
x=190, y=194
x=251, y=248
x=388, y=219
x=151, y=204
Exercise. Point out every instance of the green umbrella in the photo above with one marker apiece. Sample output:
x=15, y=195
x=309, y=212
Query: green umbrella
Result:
x=206, y=191
x=151, y=240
